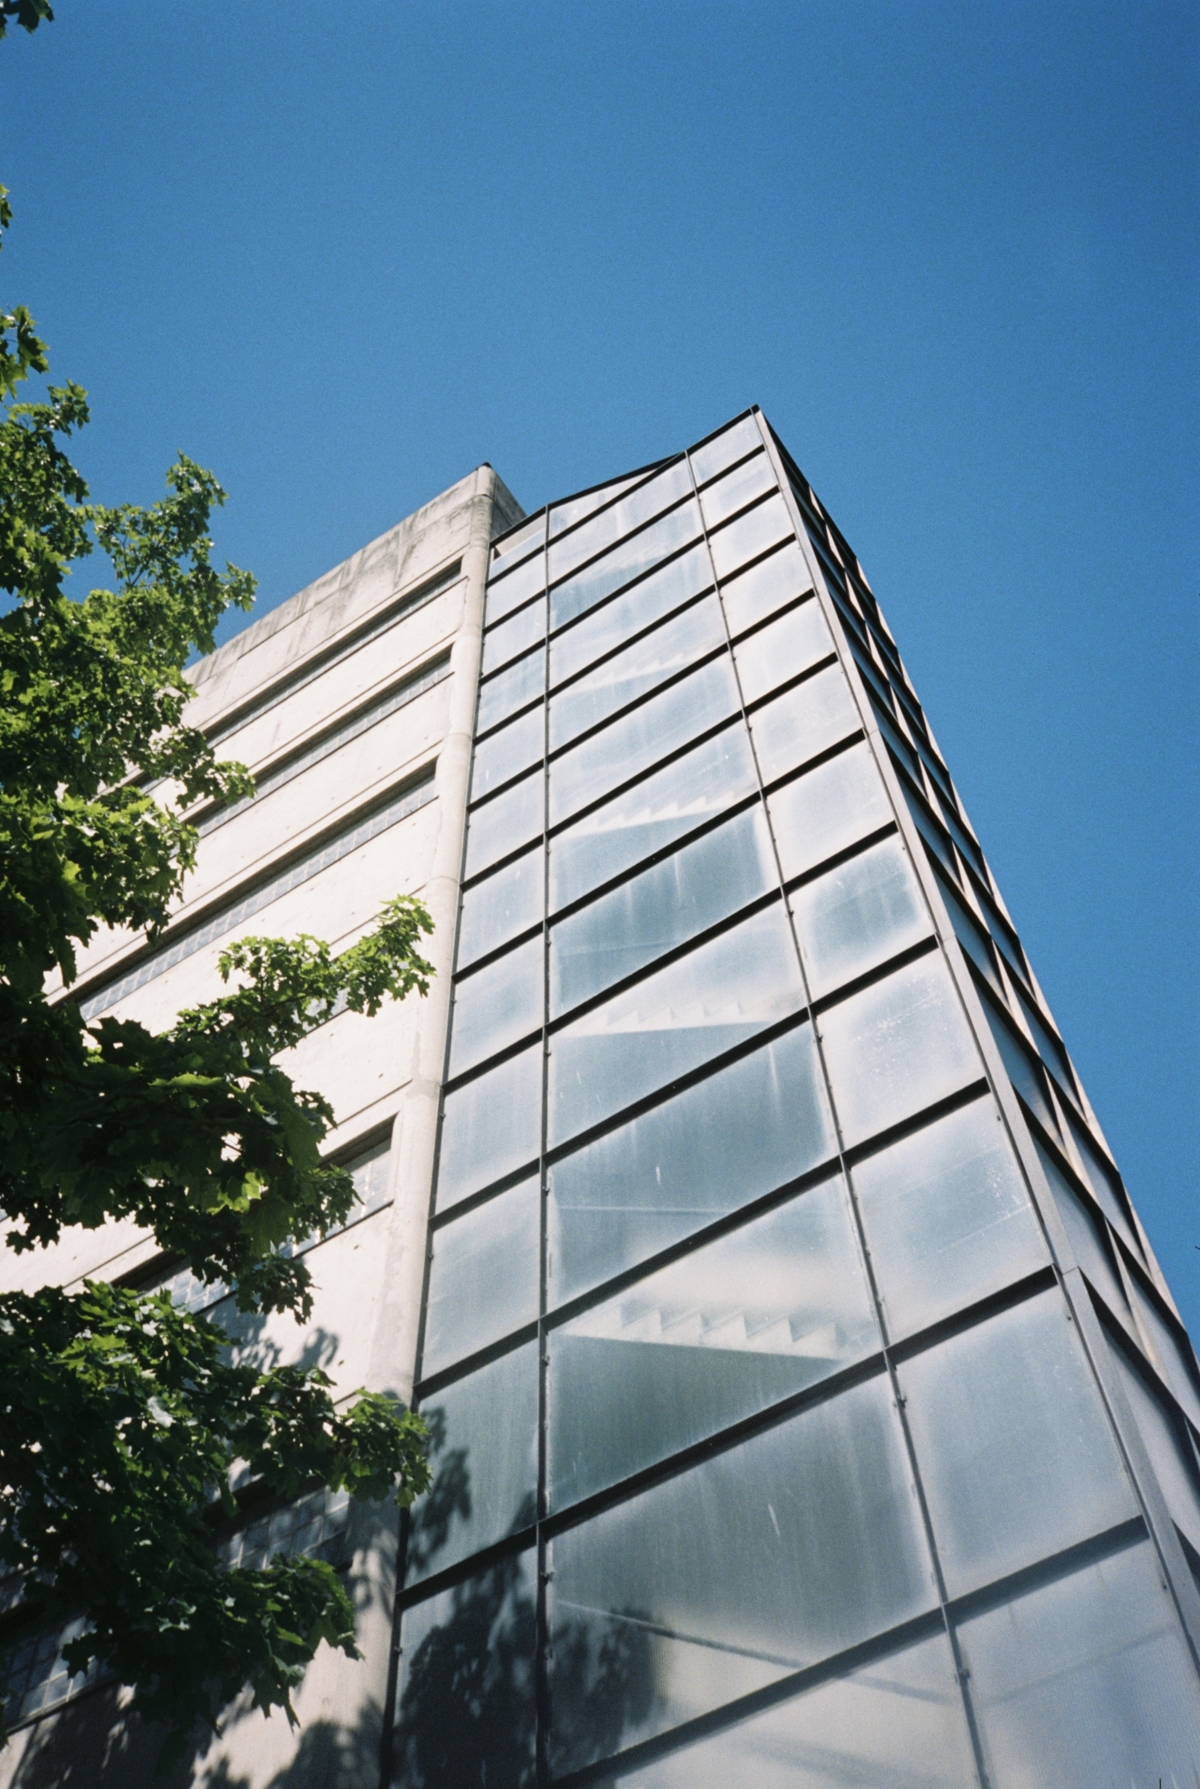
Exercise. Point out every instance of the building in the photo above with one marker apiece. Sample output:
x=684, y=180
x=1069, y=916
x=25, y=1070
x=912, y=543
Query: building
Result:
x=809, y=1408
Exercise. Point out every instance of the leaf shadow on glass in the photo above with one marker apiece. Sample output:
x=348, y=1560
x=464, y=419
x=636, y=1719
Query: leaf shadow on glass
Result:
x=467, y=1717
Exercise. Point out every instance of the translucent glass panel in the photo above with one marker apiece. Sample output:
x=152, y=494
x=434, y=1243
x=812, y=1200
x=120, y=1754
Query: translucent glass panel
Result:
x=947, y=1218
x=484, y=1278
x=781, y=650
x=496, y=910
x=643, y=502
x=738, y=488
x=704, y=1003
x=897, y=1047
x=637, y=670
x=466, y=1715
x=802, y=722
x=744, y=1131
x=511, y=689
x=1171, y=1454
x=749, y=535
x=858, y=915
x=1013, y=1443
x=1085, y=1682
x=513, y=637
x=604, y=628
x=502, y=824
x=627, y=561
x=828, y=809
x=520, y=540
x=484, y=1471
x=656, y=811
x=636, y=740
x=754, y=594
x=496, y=1005
x=896, y=1723
x=732, y=445
x=669, y=903
x=770, y=1556
x=503, y=755
x=516, y=587
x=490, y=1126
x=747, y=1320
x=565, y=515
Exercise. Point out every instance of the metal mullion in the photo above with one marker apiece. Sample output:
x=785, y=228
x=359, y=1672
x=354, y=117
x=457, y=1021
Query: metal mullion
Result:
x=541, y=1659
x=898, y=1398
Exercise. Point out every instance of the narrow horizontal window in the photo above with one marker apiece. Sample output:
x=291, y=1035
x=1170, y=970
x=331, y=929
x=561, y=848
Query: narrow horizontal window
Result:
x=227, y=917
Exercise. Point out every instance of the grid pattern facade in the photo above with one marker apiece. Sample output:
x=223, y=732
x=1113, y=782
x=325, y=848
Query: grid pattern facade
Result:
x=808, y=1407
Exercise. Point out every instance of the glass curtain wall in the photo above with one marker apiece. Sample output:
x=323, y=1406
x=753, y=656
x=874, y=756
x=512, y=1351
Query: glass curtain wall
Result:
x=767, y=1450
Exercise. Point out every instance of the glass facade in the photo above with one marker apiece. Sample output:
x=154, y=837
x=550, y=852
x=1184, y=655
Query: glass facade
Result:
x=808, y=1409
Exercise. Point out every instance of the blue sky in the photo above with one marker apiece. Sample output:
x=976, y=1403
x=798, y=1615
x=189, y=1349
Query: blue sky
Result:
x=342, y=254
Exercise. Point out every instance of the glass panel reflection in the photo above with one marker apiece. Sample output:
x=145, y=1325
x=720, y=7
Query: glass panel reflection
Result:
x=1014, y=1445
x=706, y=1002
x=640, y=668
x=510, y=690
x=484, y=1471
x=947, y=1218
x=504, y=754
x=606, y=626
x=490, y=1126
x=897, y=1723
x=744, y=1131
x=827, y=809
x=565, y=515
x=723, y=1333
x=736, y=489
x=782, y=649
x=626, y=562
x=647, y=500
x=858, y=915
x=496, y=1005
x=663, y=907
x=777, y=1553
x=514, y=636
x=803, y=721
x=654, y=812
x=506, y=822
x=752, y=595
x=484, y=1277
x=750, y=535
x=725, y=448
x=515, y=587
x=1086, y=1682
x=897, y=1047
x=636, y=740
x=466, y=1717
x=497, y=909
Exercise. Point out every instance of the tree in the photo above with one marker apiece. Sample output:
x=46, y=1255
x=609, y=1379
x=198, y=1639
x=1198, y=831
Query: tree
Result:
x=122, y=1418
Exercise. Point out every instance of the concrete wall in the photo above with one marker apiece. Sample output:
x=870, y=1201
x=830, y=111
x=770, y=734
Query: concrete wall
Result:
x=403, y=602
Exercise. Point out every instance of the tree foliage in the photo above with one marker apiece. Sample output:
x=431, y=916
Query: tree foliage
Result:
x=121, y=1418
